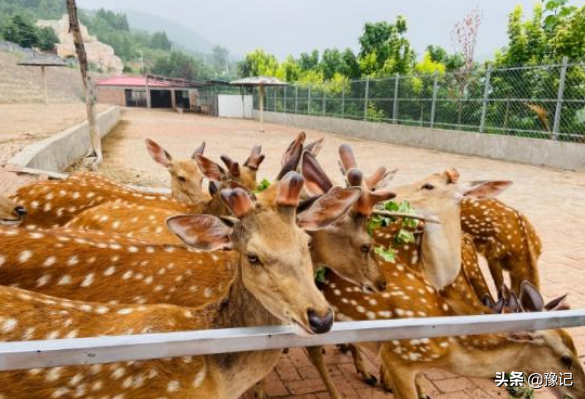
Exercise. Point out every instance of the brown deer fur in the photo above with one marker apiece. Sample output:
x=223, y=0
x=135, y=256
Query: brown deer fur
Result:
x=11, y=213
x=506, y=238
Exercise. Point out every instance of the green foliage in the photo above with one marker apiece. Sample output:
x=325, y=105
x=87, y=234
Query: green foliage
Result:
x=179, y=65
x=47, y=39
x=388, y=254
x=160, y=41
x=22, y=31
x=319, y=274
x=430, y=66
x=374, y=114
x=32, y=9
x=258, y=63
x=263, y=185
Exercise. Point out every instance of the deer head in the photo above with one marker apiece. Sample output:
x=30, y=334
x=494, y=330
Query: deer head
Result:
x=345, y=246
x=554, y=350
x=186, y=178
x=438, y=196
x=11, y=213
x=275, y=264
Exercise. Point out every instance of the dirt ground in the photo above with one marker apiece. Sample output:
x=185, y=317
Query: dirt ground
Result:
x=552, y=199
x=22, y=124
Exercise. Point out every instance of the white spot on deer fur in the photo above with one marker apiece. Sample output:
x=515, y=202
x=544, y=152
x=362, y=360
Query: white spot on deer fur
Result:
x=132, y=249
x=71, y=334
x=43, y=280
x=24, y=256
x=76, y=379
x=2, y=260
x=173, y=386
x=72, y=261
x=8, y=325
x=118, y=373
x=148, y=280
x=158, y=288
x=127, y=275
x=207, y=292
x=54, y=374
x=66, y=279
x=125, y=311
x=88, y=280
x=110, y=270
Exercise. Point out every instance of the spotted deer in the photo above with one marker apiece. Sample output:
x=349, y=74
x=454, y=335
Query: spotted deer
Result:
x=11, y=214
x=53, y=203
x=92, y=266
x=273, y=284
x=506, y=238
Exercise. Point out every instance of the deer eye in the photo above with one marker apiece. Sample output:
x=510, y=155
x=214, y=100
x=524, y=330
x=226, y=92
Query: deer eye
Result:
x=427, y=186
x=366, y=248
x=567, y=361
x=253, y=259
x=182, y=179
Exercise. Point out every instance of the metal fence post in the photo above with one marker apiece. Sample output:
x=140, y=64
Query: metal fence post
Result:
x=343, y=102
x=560, y=96
x=395, y=107
x=274, y=99
x=284, y=100
x=309, y=101
x=296, y=99
x=434, y=103
x=323, y=103
x=486, y=95
x=366, y=96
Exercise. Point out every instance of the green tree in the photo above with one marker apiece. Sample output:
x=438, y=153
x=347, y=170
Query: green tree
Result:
x=258, y=63
x=21, y=31
x=159, y=40
x=179, y=65
x=331, y=63
x=220, y=56
x=350, y=66
x=452, y=62
x=309, y=62
x=385, y=48
x=47, y=39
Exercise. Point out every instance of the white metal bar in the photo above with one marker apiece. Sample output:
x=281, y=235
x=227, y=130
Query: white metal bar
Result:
x=80, y=351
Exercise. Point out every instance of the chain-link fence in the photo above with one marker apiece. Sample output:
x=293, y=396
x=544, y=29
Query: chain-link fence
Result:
x=546, y=101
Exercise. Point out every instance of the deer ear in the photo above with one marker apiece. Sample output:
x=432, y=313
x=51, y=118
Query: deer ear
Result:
x=452, y=175
x=315, y=147
x=210, y=169
x=316, y=180
x=233, y=167
x=380, y=178
x=255, y=158
x=513, y=304
x=558, y=304
x=238, y=200
x=328, y=208
x=199, y=150
x=158, y=153
x=485, y=189
x=203, y=232
x=530, y=298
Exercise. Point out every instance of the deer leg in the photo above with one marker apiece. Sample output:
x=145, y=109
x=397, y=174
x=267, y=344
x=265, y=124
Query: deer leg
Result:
x=316, y=355
x=360, y=367
x=496, y=271
x=404, y=384
x=260, y=389
x=386, y=381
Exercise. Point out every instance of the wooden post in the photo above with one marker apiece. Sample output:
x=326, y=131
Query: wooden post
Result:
x=261, y=87
x=44, y=72
x=94, y=157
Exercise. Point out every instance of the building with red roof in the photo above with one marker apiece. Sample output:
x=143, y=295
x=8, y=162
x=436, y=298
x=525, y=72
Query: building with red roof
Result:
x=148, y=91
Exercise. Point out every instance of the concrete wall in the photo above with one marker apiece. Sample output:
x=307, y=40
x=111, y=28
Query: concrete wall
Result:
x=60, y=151
x=550, y=153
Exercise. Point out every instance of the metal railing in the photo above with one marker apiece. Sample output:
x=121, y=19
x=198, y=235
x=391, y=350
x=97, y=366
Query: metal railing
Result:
x=107, y=349
x=545, y=101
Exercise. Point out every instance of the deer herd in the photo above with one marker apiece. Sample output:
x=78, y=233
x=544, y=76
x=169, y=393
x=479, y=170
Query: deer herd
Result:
x=87, y=256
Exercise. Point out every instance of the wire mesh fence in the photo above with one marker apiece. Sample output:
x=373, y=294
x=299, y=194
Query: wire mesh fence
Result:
x=546, y=101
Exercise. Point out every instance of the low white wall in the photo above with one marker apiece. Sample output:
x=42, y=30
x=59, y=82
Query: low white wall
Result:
x=550, y=153
x=234, y=106
x=60, y=151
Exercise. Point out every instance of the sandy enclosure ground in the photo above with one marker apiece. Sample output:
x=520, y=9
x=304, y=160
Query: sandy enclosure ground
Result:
x=22, y=124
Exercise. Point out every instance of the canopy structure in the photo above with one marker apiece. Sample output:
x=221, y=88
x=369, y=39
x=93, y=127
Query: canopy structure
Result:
x=261, y=82
x=43, y=61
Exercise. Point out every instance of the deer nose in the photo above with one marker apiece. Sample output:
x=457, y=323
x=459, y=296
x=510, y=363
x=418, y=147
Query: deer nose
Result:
x=320, y=324
x=20, y=211
x=381, y=285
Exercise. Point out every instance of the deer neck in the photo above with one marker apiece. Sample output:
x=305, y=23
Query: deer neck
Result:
x=441, y=248
x=243, y=369
x=485, y=355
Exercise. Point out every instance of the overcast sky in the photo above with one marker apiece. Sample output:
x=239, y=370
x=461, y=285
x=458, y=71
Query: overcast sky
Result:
x=285, y=27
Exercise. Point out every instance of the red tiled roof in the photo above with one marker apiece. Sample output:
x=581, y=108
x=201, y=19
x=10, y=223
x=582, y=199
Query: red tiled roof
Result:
x=133, y=81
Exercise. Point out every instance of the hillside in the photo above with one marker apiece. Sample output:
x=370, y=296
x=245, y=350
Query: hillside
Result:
x=181, y=36
x=20, y=84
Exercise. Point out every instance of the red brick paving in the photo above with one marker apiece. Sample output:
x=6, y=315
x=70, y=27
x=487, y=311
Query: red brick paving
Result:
x=552, y=199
